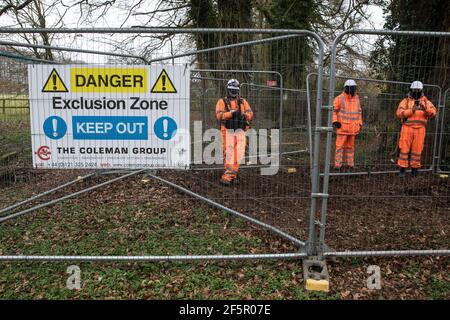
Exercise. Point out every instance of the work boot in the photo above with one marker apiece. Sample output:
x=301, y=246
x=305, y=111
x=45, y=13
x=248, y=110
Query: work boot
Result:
x=414, y=171
x=401, y=174
x=227, y=178
x=225, y=182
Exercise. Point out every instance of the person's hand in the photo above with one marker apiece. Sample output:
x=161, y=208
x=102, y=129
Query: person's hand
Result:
x=337, y=125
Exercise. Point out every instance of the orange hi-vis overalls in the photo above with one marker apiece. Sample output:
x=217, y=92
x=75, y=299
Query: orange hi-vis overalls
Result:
x=233, y=141
x=347, y=111
x=412, y=134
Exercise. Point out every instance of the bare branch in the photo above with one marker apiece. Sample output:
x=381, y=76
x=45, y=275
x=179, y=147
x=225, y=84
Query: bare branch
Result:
x=13, y=7
x=160, y=10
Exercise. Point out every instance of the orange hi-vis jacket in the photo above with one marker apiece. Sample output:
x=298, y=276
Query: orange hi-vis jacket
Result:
x=412, y=134
x=347, y=111
x=415, y=118
x=223, y=114
x=234, y=142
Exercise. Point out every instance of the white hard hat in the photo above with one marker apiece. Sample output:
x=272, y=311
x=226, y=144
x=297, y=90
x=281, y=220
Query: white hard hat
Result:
x=233, y=84
x=417, y=85
x=350, y=83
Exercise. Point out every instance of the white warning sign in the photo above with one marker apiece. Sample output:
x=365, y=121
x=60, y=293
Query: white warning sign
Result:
x=102, y=117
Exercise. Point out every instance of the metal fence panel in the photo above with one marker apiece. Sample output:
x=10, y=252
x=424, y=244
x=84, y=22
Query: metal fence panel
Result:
x=443, y=152
x=377, y=143
x=270, y=65
x=359, y=210
x=387, y=212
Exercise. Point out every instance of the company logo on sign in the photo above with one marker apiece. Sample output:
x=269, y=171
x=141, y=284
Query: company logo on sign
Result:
x=121, y=80
x=43, y=153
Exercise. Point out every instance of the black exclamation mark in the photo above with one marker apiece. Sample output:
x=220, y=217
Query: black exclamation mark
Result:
x=164, y=82
x=54, y=82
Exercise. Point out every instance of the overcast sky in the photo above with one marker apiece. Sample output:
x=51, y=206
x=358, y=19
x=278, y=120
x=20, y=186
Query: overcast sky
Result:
x=377, y=18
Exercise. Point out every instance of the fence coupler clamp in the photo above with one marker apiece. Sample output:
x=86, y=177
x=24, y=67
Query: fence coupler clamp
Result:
x=318, y=223
x=321, y=129
x=320, y=195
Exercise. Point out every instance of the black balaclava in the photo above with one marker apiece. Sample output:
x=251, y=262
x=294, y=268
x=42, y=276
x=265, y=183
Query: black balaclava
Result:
x=415, y=94
x=351, y=90
x=233, y=88
x=232, y=93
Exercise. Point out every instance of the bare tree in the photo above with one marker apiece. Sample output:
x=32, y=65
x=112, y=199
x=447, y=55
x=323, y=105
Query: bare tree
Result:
x=329, y=18
x=13, y=5
x=36, y=14
x=336, y=16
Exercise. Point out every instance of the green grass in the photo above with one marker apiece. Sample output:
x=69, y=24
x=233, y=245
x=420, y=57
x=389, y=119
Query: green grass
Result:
x=357, y=261
x=144, y=281
x=13, y=105
x=140, y=229
x=438, y=289
x=91, y=226
x=17, y=140
x=17, y=137
x=15, y=132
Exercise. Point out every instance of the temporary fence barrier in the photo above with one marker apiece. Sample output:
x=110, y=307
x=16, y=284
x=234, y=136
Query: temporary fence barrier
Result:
x=337, y=214
x=282, y=197
x=388, y=212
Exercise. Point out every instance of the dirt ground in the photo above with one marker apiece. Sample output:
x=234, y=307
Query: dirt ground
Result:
x=378, y=212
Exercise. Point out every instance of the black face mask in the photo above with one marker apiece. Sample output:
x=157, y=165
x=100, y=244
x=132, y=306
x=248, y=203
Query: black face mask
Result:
x=232, y=93
x=416, y=94
x=350, y=90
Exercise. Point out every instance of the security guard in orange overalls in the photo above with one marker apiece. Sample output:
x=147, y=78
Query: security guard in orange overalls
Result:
x=413, y=111
x=347, y=119
x=234, y=115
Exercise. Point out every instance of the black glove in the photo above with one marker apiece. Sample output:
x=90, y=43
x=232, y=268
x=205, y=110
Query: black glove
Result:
x=419, y=106
x=244, y=120
x=337, y=125
x=237, y=115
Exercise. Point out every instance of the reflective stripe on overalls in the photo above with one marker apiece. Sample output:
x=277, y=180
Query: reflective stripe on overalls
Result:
x=345, y=144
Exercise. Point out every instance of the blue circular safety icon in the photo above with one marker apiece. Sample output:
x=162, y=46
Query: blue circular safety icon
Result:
x=165, y=128
x=55, y=127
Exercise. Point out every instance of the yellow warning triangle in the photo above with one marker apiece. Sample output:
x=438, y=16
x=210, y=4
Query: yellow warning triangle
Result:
x=163, y=84
x=54, y=83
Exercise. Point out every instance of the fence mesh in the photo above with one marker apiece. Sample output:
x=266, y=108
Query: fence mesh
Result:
x=369, y=208
x=379, y=210
x=271, y=69
x=444, y=145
